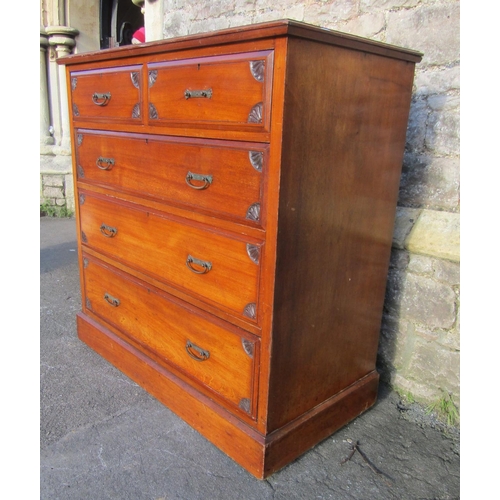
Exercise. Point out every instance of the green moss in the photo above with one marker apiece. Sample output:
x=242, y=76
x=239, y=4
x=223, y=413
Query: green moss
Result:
x=406, y=396
x=48, y=210
x=445, y=409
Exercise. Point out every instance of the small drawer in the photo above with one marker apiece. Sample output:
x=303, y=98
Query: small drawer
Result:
x=224, y=178
x=214, y=267
x=223, y=359
x=225, y=91
x=108, y=94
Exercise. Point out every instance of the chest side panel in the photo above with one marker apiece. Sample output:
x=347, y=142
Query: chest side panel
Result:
x=344, y=133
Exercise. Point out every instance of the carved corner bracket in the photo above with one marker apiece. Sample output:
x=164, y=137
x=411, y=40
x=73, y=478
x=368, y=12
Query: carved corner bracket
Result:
x=253, y=252
x=152, y=76
x=136, y=111
x=153, y=112
x=257, y=70
x=248, y=347
x=245, y=405
x=256, y=159
x=135, y=76
x=253, y=212
x=250, y=311
x=255, y=115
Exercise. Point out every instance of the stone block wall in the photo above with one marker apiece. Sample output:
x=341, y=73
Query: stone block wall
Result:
x=420, y=347
x=56, y=184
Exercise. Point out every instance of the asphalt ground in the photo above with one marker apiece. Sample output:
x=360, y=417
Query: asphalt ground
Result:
x=104, y=437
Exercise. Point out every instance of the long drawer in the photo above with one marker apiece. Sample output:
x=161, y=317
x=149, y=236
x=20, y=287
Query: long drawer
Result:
x=107, y=95
x=222, y=359
x=228, y=90
x=216, y=267
x=221, y=177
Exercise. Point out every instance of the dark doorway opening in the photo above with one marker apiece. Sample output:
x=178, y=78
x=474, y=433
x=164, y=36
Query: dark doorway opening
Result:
x=119, y=20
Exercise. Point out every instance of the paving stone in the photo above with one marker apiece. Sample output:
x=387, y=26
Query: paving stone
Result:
x=437, y=234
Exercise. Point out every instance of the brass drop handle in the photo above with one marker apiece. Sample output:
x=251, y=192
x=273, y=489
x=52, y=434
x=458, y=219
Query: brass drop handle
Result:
x=196, y=352
x=105, y=163
x=108, y=231
x=188, y=94
x=206, y=179
x=101, y=99
x=111, y=300
x=204, y=264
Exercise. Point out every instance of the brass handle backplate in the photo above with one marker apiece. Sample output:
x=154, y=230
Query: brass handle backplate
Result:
x=111, y=300
x=101, y=99
x=206, y=179
x=196, y=352
x=204, y=264
x=105, y=163
x=188, y=94
x=108, y=231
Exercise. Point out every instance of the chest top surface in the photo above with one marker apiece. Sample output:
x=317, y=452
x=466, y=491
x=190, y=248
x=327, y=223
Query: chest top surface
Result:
x=260, y=31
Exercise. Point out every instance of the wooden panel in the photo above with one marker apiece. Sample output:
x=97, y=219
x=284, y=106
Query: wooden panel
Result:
x=158, y=245
x=236, y=90
x=174, y=332
x=287, y=443
x=108, y=94
x=158, y=167
x=343, y=143
x=238, y=440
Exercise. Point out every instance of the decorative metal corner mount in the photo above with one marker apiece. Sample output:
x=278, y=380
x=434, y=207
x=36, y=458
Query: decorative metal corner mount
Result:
x=136, y=111
x=80, y=172
x=255, y=115
x=152, y=76
x=248, y=347
x=245, y=404
x=253, y=212
x=250, y=311
x=85, y=262
x=79, y=139
x=253, y=252
x=76, y=112
x=135, y=76
x=74, y=81
x=81, y=198
x=84, y=237
x=256, y=159
x=88, y=304
x=153, y=113
x=257, y=70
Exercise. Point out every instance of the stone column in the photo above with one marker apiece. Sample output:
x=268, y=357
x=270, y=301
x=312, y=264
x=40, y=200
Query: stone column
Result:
x=45, y=137
x=153, y=11
x=61, y=42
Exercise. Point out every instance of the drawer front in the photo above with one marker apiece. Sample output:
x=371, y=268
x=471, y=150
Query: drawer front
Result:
x=221, y=359
x=230, y=90
x=223, y=178
x=215, y=268
x=110, y=95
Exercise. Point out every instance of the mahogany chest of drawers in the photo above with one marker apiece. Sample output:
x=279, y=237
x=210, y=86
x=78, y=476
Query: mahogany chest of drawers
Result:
x=236, y=200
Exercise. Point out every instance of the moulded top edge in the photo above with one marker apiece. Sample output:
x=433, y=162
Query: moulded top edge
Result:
x=272, y=29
